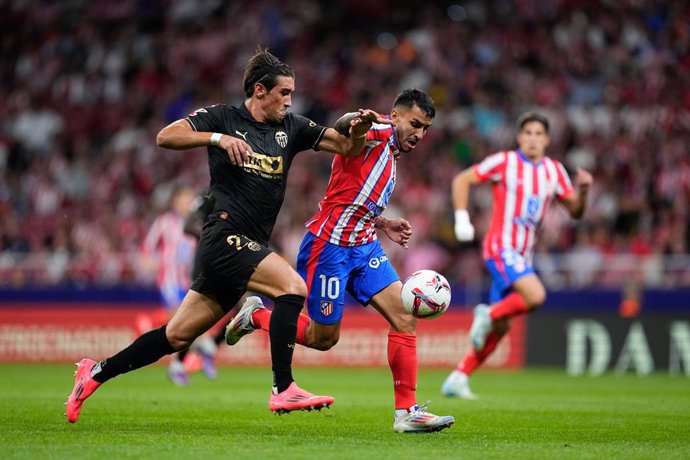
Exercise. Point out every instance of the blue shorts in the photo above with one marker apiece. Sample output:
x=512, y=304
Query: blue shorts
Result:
x=505, y=270
x=329, y=270
x=172, y=295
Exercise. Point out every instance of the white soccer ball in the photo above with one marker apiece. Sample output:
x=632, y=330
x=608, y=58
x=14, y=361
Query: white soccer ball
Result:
x=426, y=294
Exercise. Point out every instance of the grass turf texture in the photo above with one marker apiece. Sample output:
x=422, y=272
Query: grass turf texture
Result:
x=528, y=414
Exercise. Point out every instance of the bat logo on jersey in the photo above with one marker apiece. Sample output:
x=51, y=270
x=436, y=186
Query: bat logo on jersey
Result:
x=265, y=166
x=281, y=138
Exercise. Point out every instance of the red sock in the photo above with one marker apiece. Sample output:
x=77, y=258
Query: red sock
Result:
x=510, y=305
x=302, y=323
x=262, y=319
x=402, y=358
x=473, y=359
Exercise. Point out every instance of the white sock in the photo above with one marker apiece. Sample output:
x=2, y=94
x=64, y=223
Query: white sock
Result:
x=176, y=365
x=207, y=346
x=400, y=412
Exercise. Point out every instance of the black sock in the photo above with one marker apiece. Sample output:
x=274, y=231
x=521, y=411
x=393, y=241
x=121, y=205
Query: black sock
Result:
x=220, y=337
x=283, y=331
x=180, y=355
x=147, y=349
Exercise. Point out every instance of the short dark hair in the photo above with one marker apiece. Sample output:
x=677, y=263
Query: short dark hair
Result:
x=264, y=68
x=411, y=97
x=529, y=117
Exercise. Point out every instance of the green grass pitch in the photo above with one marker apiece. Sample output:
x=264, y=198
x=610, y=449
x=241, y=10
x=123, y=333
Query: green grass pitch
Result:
x=527, y=414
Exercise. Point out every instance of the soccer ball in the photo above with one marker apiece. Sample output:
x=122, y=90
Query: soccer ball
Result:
x=426, y=294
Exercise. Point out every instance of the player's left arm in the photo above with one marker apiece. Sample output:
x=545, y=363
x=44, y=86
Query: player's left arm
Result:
x=194, y=223
x=398, y=230
x=349, y=134
x=576, y=202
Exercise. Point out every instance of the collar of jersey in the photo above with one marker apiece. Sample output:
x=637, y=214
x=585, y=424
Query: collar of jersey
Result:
x=394, y=142
x=244, y=111
x=524, y=157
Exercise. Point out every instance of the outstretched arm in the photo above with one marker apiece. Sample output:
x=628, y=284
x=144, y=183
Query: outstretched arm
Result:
x=179, y=135
x=349, y=134
x=576, y=203
x=460, y=192
x=397, y=230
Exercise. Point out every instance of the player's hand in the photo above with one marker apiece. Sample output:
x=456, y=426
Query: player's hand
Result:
x=397, y=230
x=464, y=230
x=583, y=179
x=362, y=122
x=238, y=150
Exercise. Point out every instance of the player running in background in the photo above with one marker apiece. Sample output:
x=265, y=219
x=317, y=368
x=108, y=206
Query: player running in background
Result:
x=250, y=150
x=340, y=252
x=205, y=347
x=168, y=251
x=524, y=183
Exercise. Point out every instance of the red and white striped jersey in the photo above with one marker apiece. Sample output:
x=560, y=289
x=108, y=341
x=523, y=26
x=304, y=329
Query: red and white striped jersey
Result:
x=522, y=191
x=172, y=249
x=358, y=191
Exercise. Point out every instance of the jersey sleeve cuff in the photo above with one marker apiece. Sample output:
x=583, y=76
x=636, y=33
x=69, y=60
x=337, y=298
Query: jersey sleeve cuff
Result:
x=191, y=124
x=315, y=147
x=482, y=177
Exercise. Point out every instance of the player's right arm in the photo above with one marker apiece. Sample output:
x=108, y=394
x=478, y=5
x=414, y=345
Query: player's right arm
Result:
x=398, y=230
x=460, y=192
x=349, y=134
x=179, y=135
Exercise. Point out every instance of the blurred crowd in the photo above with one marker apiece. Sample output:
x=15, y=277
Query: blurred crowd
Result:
x=86, y=85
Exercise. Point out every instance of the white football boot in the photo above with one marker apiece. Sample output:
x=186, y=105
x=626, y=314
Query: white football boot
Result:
x=418, y=420
x=481, y=326
x=457, y=385
x=241, y=324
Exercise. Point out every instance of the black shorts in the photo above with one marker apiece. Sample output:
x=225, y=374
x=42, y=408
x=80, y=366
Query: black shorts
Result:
x=225, y=260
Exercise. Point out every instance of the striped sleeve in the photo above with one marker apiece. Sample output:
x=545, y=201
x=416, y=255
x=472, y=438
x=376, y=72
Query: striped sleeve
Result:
x=379, y=132
x=492, y=167
x=563, y=185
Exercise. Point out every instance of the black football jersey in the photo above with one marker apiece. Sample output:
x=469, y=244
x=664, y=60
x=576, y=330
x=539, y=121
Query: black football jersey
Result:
x=253, y=193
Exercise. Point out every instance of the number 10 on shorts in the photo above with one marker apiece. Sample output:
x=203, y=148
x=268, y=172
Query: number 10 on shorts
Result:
x=330, y=287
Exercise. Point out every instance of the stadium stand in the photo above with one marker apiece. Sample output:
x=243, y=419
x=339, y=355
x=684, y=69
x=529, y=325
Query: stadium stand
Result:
x=85, y=85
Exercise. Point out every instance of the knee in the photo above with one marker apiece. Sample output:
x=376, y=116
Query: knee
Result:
x=325, y=343
x=294, y=285
x=178, y=339
x=536, y=298
x=404, y=322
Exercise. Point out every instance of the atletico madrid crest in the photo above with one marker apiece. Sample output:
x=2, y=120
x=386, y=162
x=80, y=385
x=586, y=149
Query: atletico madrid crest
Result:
x=326, y=307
